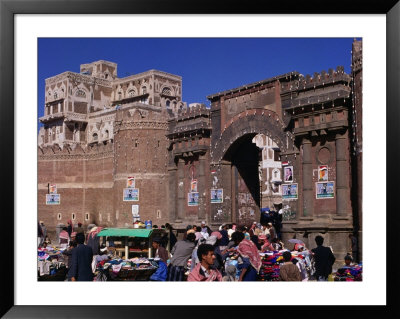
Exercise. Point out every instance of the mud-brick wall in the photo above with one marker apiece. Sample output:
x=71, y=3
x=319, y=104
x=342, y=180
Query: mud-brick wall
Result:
x=141, y=152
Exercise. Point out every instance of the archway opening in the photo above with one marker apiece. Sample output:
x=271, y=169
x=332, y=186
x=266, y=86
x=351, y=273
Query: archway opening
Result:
x=256, y=177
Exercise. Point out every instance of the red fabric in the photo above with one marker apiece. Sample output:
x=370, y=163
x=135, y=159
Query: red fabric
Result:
x=249, y=250
x=195, y=275
x=64, y=234
x=94, y=231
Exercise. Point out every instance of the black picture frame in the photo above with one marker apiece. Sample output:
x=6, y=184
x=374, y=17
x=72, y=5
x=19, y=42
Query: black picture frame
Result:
x=8, y=10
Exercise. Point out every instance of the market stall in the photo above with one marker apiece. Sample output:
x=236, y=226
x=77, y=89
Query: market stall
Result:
x=133, y=260
x=133, y=242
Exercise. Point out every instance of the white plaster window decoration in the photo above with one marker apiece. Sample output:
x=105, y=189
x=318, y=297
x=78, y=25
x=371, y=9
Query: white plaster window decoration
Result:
x=73, y=216
x=166, y=91
x=80, y=93
x=158, y=213
x=87, y=216
x=59, y=216
x=131, y=93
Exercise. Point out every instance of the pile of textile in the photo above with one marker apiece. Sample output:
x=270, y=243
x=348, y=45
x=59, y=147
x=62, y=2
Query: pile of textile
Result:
x=127, y=269
x=51, y=265
x=270, y=263
x=50, y=253
x=349, y=273
x=272, y=260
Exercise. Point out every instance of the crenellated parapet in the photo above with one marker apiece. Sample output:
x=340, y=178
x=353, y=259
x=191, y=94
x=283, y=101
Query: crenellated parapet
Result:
x=189, y=132
x=75, y=151
x=318, y=104
x=318, y=80
x=192, y=120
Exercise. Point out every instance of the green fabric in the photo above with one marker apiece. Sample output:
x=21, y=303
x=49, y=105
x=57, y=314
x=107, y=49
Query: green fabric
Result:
x=129, y=232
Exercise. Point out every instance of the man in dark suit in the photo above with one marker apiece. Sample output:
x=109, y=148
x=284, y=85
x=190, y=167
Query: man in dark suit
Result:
x=323, y=258
x=81, y=261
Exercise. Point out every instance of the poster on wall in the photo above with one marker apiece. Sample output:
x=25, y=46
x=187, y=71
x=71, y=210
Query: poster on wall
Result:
x=323, y=173
x=52, y=189
x=193, y=186
x=288, y=174
x=217, y=195
x=53, y=199
x=135, y=213
x=131, y=194
x=193, y=199
x=289, y=191
x=130, y=182
x=325, y=190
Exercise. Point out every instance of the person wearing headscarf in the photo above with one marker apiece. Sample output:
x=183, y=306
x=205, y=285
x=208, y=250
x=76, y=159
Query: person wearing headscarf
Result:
x=249, y=261
x=93, y=240
x=63, y=238
x=204, y=270
x=265, y=244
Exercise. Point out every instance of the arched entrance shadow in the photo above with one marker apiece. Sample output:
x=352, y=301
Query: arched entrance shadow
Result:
x=235, y=147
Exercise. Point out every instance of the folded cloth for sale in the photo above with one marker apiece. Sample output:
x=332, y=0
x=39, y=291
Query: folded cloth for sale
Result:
x=270, y=264
x=349, y=273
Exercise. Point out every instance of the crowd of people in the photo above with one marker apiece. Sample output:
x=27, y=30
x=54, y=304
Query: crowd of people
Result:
x=232, y=253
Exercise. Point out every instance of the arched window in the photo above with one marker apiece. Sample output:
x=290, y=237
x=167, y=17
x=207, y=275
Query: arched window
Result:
x=95, y=137
x=119, y=95
x=106, y=134
x=167, y=103
x=55, y=95
x=144, y=90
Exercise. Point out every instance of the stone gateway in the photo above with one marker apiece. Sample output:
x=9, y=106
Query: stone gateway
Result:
x=115, y=149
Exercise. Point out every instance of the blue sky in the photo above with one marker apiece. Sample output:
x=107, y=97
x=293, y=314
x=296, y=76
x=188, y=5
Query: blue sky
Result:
x=207, y=65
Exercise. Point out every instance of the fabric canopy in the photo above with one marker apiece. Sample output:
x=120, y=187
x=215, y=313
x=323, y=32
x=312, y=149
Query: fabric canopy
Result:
x=129, y=232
